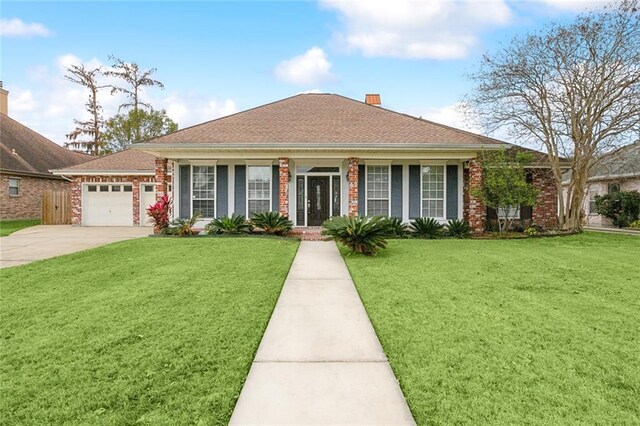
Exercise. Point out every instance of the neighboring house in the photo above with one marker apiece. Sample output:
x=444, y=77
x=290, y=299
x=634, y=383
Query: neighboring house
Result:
x=114, y=190
x=25, y=160
x=616, y=171
x=313, y=156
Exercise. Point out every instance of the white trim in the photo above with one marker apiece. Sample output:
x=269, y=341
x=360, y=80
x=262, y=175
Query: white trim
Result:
x=377, y=162
x=460, y=191
x=246, y=177
x=203, y=163
x=405, y=193
x=258, y=163
x=215, y=191
x=104, y=172
x=433, y=163
x=444, y=191
x=366, y=189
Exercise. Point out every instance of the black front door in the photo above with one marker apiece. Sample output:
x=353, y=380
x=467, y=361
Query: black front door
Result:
x=317, y=200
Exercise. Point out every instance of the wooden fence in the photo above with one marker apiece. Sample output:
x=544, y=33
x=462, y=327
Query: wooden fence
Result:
x=56, y=207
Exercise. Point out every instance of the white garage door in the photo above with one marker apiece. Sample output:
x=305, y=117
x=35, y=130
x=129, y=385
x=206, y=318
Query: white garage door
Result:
x=107, y=205
x=147, y=198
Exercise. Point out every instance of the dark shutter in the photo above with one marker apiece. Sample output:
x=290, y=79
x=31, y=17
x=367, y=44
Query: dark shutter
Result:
x=362, y=191
x=275, y=188
x=396, y=191
x=222, y=191
x=452, y=192
x=526, y=212
x=184, y=207
x=415, y=200
x=240, y=190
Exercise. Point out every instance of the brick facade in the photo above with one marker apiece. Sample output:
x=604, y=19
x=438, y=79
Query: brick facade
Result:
x=352, y=181
x=283, y=204
x=162, y=177
x=27, y=205
x=476, y=211
x=76, y=193
x=545, y=212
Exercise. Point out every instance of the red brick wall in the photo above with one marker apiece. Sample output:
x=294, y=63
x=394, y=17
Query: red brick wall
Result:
x=476, y=211
x=352, y=180
x=162, y=177
x=284, y=186
x=545, y=212
x=28, y=205
x=76, y=193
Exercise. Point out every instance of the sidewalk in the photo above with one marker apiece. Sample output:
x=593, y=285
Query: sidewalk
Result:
x=320, y=361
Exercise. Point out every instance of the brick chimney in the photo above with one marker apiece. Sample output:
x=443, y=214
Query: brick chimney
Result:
x=372, y=99
x=4, y=100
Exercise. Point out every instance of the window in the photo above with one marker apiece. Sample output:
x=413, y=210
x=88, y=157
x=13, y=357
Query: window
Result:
x=127, y=188
x=115, y=188
x=512, y=211
x=14, y=187
x=378, y=190
x=592, y=202
x=92, y=188
x=259, y=189
x=204, y=190
x=104, y=188
x=148, y=188
x=433, y=191
x=613, y=187
x=335, y=198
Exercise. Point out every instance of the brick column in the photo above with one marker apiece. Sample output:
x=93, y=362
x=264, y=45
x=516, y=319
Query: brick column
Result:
x=352, y=179
x=477, y=213
x=136, y=201
x=283, y=204
x=545, y=212
x=162, y=177
x=76, y=201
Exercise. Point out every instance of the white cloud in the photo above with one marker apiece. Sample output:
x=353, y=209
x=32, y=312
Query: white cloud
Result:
x=18, y=28
x=416, y=29
x=450, y=115
x=575, y=5
x=187, y=110
x=312, y=67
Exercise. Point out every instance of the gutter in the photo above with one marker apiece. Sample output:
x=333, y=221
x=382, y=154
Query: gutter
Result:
x=62, y=172
x=142, y=146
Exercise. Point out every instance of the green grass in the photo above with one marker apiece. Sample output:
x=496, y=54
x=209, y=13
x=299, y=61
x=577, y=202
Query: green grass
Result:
x=150, y=331
x=536, y=331
x=10, y=226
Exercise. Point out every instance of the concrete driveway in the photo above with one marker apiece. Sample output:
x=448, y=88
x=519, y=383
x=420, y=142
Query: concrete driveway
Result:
x=45, y=241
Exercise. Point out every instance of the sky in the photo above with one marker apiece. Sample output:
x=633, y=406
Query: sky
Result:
x=219, y=57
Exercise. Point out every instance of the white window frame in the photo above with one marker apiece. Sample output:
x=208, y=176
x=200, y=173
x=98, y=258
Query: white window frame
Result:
x=514, y=212
x=366, y=186
x=442, y=164
x=17, y=186
x=215, y=190
x=592, y=199
x=268, y=164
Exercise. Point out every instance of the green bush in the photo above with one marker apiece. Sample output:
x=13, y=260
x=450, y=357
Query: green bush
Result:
x=635, y=224
x=621, y=207
x=458, y=228
x=182, y=227
x=272, y=223
x=236, y=224
x=397, y=228
x=426, y=227
x=366, y=235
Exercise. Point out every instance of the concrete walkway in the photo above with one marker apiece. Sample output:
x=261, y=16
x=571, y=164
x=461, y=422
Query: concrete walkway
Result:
x=320, y=361
x=626, y=231
x=45, y=241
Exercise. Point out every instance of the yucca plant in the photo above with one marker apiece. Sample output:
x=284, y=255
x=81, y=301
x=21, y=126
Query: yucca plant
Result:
x=458, y=228
x=397, y=228
x=272, y=223
x=236, y=224
x=366, y=235
x=426, y=227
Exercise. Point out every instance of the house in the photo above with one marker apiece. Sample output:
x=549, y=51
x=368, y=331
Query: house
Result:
x=616, y=171
x=113, y=190
x=314, y=156
x=25, y=160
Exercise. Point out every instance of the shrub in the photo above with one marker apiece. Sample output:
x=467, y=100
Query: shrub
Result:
x=236, y=224
x=397, y=228
x=272, y=223
x=183, y=227
x=159, y=213
x=426, y=227
x=366, y=235
x=458, y=228
x=621, y=207
x=635, y=224
x=531, y=231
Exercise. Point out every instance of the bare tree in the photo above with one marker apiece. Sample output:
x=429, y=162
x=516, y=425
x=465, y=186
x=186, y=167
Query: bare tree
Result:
x=572, y=88
x=91, y=128
x=136, y=80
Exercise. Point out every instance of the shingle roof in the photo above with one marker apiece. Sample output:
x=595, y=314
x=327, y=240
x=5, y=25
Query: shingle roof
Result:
x=321, y=119
x=623, y=162
x=127, y=160
x=24, y=151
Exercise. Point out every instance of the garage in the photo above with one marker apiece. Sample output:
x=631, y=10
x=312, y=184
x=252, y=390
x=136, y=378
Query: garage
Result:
x=107, y=204
x=147, y=198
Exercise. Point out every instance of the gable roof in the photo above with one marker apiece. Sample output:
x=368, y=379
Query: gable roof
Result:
x=24, y=151
x=320, y=119
x=623, y=162
x=128, y=161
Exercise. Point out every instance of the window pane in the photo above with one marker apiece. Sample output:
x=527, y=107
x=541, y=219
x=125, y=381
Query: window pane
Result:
x=127, y=188
x=433, y=191
x=258, y=206
x=377, y=207
x=92, y=188
x=204, y=190
x=205, y=207
x=115, y=188
x=377, y=190
x=336, y=196
x=148, y=188
x=259, y=189
x=104, y=188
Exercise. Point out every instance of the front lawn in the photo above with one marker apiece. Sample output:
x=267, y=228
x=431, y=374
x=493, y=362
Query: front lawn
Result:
x=536, y=331
x=9, y=226
x=150, y=331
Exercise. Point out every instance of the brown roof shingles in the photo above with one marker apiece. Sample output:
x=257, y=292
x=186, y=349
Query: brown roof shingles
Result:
x=127, y=160
x=321, y=119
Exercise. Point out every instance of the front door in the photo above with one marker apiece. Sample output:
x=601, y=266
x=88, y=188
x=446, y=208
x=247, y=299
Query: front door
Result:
x=317, y=200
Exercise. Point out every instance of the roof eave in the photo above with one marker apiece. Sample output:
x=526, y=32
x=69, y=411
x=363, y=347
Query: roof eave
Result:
x=64, y=172
x=317, y=146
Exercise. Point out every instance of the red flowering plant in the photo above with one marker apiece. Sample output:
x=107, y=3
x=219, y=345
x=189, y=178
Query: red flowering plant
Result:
x=159, y=213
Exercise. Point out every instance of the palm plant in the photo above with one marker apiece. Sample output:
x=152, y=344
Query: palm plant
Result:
x=458, y=228
x=236, y=224
x=397, y=228
x=272, y=223
x=426, y=227
x=183, y=227
x=366, y=235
